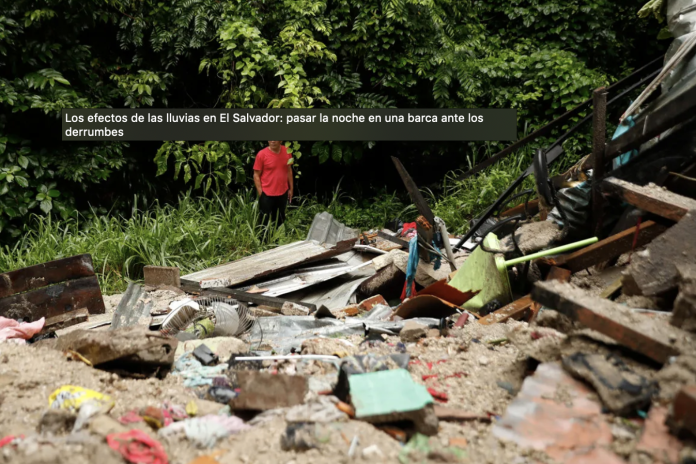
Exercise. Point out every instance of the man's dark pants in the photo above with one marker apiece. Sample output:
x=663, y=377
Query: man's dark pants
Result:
x=273, y=207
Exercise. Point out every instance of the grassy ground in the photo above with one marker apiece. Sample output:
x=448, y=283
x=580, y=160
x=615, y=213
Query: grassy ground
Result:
x=201, y=232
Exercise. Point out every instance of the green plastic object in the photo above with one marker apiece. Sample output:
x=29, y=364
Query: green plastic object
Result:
x=386, y=392
x=480, y=272
x=487, y=272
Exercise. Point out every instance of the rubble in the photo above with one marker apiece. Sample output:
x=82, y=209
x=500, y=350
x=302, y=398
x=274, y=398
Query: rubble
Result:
x=536, y=337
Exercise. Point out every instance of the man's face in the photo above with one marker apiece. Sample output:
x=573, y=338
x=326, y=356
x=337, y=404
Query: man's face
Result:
x=275, y=145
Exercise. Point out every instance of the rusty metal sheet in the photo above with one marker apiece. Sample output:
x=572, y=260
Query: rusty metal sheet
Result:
x=306, y=277
x=42, y=275
x=447, y=292
x=426, y=306
x=265, y=263
x=55, y=300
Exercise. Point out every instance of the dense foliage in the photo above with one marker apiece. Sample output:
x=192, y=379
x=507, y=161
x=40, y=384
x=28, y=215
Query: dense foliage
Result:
x=538, y=56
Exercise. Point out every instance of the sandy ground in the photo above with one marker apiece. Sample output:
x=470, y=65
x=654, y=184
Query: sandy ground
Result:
x=29, y=374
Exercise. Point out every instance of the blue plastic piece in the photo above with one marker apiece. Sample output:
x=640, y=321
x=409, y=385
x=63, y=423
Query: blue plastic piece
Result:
x=622, y=159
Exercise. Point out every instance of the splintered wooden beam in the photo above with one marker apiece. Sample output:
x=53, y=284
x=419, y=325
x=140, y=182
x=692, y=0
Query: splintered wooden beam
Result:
x=641, y=334
x=65, y=320
x=650, y=198
x=518, y=309
x=610, y=247
x=525, y=307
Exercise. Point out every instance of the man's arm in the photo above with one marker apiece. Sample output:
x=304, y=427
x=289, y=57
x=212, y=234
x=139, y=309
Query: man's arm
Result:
x=257, y=181
x=290, y=183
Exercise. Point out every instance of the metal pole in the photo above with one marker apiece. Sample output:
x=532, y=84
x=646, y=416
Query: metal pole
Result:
x=599, y=134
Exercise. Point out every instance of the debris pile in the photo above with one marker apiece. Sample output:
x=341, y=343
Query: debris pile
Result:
x=558, y=330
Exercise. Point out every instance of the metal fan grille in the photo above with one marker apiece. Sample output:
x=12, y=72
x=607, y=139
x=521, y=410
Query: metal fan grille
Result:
x=231, y=317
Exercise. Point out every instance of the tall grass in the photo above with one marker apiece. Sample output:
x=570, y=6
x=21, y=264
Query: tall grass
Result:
x=201, y=232
x=193, y=234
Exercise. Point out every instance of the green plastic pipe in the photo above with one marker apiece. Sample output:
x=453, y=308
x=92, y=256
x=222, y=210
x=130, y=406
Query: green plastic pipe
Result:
x=552, y=251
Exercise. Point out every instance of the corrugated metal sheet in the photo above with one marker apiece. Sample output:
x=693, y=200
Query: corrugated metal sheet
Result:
x=327, y=230
x=336, y=293
x=266, y=263
x=306, y=277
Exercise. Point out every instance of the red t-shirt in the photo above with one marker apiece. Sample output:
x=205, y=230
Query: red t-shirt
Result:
x=274, y=171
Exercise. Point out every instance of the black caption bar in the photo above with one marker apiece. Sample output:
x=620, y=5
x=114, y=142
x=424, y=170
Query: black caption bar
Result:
x=290, y=124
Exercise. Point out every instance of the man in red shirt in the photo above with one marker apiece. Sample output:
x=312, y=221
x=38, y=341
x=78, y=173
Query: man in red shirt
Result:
x=273, y=180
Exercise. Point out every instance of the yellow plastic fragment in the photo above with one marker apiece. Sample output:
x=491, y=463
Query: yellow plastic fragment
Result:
x=71, y=398
x=192, y=408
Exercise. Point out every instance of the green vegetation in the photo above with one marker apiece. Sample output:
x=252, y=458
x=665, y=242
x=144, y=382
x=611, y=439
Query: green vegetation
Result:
x=194, y=234
x=538, y=56
x=118, y=201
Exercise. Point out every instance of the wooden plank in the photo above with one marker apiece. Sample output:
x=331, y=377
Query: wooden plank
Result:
x=612, y=288
x=255, y=298
x=282, y=258
x=65, y=320
x=413, y=191
x=42, y=275
x=55, y=300
x=646, y=336
x=599, y=132
x=532, y=209
x=555, y=273
x=445, y=413
x=651, y=198
x=393, y=238
x=610, y=247
x=654, y=123
x=517, y=310
x=559, y=274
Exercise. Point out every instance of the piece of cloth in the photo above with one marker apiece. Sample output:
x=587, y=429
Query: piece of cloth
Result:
x=408, y=226
x=410, y=286
x=19, y=332
x=273, y=207
x=205, y=431
x=196, y=374
x=274, y=170
x=137, y=447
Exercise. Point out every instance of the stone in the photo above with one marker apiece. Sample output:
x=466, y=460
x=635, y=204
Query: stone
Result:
x=135, y=351
x=684, y=312
x=412, y=331
x=432, y=333
x=261, y=391
x=56, y=421
x=293, y=309
x=156, y=276
x=372, y=452
x=104, y=425
x=205, y=407
x=369, y=303
x=328, y=347
x=483, y=361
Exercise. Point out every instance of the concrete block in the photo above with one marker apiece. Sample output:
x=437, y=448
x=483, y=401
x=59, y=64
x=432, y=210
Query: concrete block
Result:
x=162, y=275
